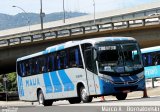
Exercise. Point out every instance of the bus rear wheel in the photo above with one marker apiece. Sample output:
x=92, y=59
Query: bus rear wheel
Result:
x=121, y=96
x=83, y=95
x=42, y=100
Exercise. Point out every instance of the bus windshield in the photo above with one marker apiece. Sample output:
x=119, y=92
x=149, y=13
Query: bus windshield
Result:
x=119, y=58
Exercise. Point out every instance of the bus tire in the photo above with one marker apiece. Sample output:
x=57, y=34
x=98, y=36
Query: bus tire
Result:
x=83, y=95
x=74, y=100
x=42, y=100
x=121, y=96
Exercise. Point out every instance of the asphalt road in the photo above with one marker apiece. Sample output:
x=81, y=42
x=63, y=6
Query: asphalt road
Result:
x=151, y=104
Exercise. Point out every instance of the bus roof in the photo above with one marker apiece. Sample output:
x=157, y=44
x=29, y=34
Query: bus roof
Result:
x=150, y=49
x=75, y=43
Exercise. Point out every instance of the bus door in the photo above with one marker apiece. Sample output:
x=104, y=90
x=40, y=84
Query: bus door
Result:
x=89, y=64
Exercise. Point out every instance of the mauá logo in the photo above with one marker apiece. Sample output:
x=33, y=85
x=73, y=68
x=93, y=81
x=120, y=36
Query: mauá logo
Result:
x=32, y=82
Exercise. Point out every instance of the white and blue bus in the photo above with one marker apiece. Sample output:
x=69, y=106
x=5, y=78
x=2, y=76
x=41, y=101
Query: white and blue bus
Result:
x=80, y=70
x=151, y=59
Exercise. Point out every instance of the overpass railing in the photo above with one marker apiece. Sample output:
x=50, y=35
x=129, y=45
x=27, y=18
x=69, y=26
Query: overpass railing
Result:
x=68, y=30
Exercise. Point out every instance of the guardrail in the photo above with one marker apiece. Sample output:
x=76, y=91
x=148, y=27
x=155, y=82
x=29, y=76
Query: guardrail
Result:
x=60, y=32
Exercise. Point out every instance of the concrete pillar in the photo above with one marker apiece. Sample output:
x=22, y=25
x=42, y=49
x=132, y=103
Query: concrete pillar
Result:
x=70, y=32
x=8, y=42
x=127, y=24
x=19, y=40
x=43, y=36
x=31, y=38
x=97, y=28
x=56, y=34
x=83, y=30
x=112, y=26
x=143, y=22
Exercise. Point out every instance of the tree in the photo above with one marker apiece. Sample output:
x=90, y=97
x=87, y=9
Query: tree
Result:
x=1, y=83
x=12, y=82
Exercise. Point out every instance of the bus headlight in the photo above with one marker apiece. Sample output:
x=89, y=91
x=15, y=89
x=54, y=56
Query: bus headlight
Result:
x=141, y=76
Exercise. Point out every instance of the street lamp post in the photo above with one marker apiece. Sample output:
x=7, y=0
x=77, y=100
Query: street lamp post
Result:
x=94, y=11
x=41, y=15
x=63, y=13
x=28, y=20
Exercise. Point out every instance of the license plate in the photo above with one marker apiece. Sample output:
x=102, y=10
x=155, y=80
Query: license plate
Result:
x=126, y=91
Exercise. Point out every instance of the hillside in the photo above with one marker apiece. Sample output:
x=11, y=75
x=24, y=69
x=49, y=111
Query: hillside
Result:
x=21, y=19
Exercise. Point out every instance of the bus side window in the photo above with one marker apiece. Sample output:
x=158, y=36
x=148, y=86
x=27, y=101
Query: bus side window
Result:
x=65, y=56
x=43, y=66
x=58, y=62
x=20, y=69
x=144, y=60
x=72, y=58
x=23, y=69
x=78, y=58
x=34, y=66
x=157, y=59
x=27, y=67
x=37, y=66
x=75, y=59
x=62, y=61
x=88, y=59
x=53, y=58
x=149, y=60
x=50, y=63
x=30, y=67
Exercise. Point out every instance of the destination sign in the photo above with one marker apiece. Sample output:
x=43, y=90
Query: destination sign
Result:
x=102, y=48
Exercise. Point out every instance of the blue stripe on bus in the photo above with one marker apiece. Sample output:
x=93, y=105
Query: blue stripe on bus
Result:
x=44, y=52
x=151, y=49
x=52, y=50
x=20, y=86
x=47, y=83
x=117, y=39
x=109, y=39
x=56, y=83
x=68, y=85
x=60, y=47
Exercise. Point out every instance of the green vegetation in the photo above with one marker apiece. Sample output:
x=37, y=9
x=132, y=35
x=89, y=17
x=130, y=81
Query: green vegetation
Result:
x=11, y=82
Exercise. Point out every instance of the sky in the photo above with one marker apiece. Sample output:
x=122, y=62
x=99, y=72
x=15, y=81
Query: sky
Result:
x=50, y=6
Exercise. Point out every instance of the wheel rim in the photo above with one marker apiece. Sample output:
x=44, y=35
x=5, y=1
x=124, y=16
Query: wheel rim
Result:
x=41, y=98
x=84, y=94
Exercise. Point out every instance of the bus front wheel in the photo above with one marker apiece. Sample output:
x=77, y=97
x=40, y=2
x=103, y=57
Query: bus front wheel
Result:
x=121, y=96
x=42, y=100
x=83, y=95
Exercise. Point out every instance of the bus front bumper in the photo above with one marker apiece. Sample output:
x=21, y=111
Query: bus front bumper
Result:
x=111, y=88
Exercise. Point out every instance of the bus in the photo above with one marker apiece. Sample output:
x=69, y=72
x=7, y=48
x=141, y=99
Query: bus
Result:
x=151, y=59
x=77, y=71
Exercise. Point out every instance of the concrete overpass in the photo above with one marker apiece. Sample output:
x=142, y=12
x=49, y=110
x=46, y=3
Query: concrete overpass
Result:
x=142, y=22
